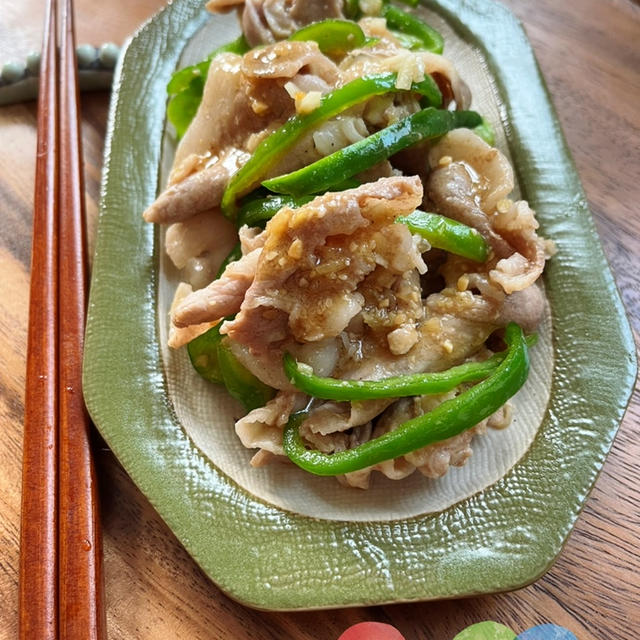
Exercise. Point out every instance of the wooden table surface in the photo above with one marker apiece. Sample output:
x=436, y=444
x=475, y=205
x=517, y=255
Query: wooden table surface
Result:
x=590, y=55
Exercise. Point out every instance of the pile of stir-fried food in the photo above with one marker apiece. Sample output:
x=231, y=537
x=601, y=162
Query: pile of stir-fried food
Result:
x=353, y=269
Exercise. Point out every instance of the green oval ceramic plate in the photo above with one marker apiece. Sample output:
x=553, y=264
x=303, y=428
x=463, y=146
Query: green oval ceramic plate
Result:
x=497, y=538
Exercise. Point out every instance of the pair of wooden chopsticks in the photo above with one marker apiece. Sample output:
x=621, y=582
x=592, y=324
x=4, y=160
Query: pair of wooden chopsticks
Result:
x=61, y=592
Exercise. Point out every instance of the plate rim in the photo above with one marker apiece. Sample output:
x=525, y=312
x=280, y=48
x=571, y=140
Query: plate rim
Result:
x=387, y=561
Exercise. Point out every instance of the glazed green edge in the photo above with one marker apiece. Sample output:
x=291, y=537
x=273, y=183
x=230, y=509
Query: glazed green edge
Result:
x=500, y=539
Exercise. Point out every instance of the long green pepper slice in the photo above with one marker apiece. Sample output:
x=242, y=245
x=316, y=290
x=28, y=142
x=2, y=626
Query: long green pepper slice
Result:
x=334, y=37
x=303, y=378
x=345, y=163
x=276, y=146
x=240, y=382
x=256, y=213
x=203, y=353
x=212, y=358
x=447, y=420
x=444, y=233
x=407, y=23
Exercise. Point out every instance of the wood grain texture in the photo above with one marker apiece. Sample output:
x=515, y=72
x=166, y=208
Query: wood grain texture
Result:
x=589, y=56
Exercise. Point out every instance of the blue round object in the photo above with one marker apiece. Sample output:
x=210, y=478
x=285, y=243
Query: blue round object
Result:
x=547, y=632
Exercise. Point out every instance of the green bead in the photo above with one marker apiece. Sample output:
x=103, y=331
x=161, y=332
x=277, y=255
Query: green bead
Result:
x=33, y=63
x=108, y=55
x=86, y=55
x=12, y=72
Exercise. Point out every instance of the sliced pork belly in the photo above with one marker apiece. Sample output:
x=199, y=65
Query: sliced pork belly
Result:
x=315, y=257
x=197, y=192
x=264, y=21
x=248, y=98
x=208, y=232
x=222, y=297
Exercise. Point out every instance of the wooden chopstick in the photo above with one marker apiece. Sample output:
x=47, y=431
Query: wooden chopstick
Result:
x=81, y=610
x=38, y=600
x=61, y=593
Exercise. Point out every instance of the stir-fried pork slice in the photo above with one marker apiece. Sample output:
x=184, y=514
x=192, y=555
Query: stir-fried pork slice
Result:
x=468, y=179
x=435, y=459
x=244, y=98
x=525, y=308
x=333, y=417
x=314, y=258
x=471, y=293
x=179, y=336
x=393, y=304
x=208, y=231
x=516, y=222
x=338, y=441
x=264, y=21
x=262, y=427
x=452, y=191
x=470, y=182
x=490, y=170
x=432, y=461
x=472, y=186
x=411, y=66
x=197, y=192
x=444, y=341
x=250, y=238
x=322, y=356
x=235, y=105
x=222, y=297
x=286, y=59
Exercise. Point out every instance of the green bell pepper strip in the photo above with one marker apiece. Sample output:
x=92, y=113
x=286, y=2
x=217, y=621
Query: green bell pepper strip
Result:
x=256, y=213
x=240, y=382
x=409, y=24
x=203, y=353
x=276, y=146
x=334, y=37
x=187, y=85
x=413, y=43
x=212, y=358
x=450, y=235
x=183, y=107
x=486, y=132
x=345, y=163
x=352, y=9
x=302, y=377
x=447, y=420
